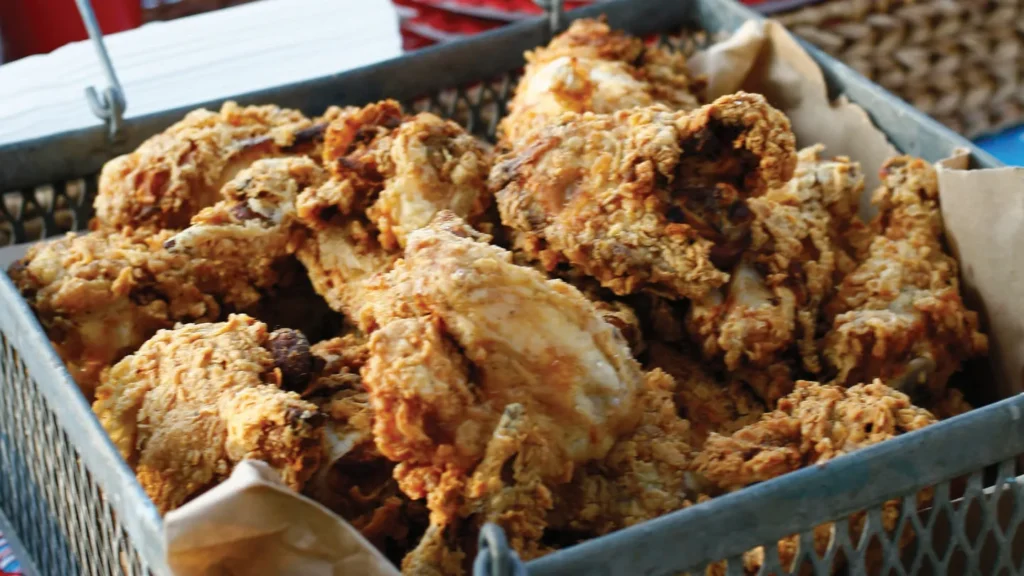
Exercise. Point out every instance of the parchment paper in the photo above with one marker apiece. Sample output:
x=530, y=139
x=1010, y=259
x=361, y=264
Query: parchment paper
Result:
x=253, y=524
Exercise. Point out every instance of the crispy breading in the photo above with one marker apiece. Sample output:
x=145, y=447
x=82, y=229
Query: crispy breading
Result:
x=384, y=174
x=176, y=173
x=645, y=199
x=356, y=480
x=645, y=474
x=255, y=220
x=591, y=68
x=390, y=174
x=708, y=405
x=799, y=247
x=194, y=401
x=814, y=424
x=473, y=357
x=102, y=294
x=899, y=315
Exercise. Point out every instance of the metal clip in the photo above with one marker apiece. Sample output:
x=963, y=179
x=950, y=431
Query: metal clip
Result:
x=494, y=557
x=555, y=9
x=109, y=105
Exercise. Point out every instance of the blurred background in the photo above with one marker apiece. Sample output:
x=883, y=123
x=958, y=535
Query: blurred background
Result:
x=962, y=62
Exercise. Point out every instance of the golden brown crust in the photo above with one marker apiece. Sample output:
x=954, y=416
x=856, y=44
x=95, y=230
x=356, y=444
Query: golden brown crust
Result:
x=644, y=475
x=798, y=248
x=101, y=295
x=194, y=401
x=646, y=198
x=474, y=360
x=708, y=405
x=899, y=315
x=591, y=68
x=813, y=424
x=176, y=173
x=389, y=175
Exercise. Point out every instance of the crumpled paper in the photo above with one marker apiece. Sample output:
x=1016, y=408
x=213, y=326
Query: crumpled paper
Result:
x=253, y=525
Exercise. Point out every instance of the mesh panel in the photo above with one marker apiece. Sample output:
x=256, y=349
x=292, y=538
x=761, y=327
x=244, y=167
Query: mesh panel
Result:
x=50, y=499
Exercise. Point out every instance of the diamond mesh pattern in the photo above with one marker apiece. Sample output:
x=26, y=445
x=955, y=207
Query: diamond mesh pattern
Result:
x=47, y=495
x=966, y=525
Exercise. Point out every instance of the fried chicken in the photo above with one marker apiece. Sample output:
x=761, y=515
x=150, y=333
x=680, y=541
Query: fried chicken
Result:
x=489, y=382
x=646, y=199
x=355, y=479
x=899, y=315
x=100, y=295
x=708, y=405
x=645, y=474
x=176, y=173
x=802, y=238
x=255, y=220
x=389, y=175
x=194, y=401
x=591, y=68
x=814, y=424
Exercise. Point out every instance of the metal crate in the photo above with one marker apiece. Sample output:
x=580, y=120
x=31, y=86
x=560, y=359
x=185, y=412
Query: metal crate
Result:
x=78, y=508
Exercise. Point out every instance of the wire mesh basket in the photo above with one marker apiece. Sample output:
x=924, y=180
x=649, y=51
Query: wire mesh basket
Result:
x=950, y=491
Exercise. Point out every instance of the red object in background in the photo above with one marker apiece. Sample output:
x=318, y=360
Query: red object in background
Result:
x=41, y=26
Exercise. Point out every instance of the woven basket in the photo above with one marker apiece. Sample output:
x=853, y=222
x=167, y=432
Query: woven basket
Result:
x=961, y=61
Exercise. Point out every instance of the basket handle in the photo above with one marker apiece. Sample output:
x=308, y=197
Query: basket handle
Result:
x=555, y=10
x=109, y=105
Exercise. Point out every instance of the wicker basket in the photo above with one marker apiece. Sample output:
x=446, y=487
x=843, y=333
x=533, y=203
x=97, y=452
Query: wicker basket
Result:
x=960, y=61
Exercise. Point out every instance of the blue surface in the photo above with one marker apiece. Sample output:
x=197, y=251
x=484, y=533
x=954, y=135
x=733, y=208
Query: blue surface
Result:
x=1007, y=146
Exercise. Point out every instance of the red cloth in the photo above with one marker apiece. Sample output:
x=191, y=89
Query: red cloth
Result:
x=41, y=26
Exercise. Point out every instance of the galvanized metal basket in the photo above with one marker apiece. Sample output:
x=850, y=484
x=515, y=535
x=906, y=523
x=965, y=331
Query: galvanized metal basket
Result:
x=79, y=510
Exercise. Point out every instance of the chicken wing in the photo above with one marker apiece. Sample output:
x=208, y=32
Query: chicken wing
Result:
x=591, y=68
x=802, y=238
x=899, y=315
x=474, y=360
x=176, y=173
x=647, y=198
x=814, y=424
x=194, y=401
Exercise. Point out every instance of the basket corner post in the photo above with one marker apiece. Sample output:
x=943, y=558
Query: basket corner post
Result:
x=494, y=556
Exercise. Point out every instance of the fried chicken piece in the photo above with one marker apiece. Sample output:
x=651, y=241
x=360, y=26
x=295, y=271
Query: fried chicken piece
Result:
x=194, y=401
x=355, y=479
x=591, y=68
x=474, y=360
x=389, y=175
x=646, y=199
x=645, y=474
x=899, y=315
x=750, y=325
x=255, y=220
x=814, y=424
x=801, y=239
x=176, y=173
x=100, y=295
x=708, y=405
